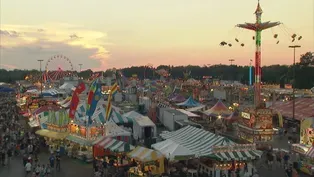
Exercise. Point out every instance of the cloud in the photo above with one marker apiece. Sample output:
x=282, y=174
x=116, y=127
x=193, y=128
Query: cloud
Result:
x=9, y=33
x=6, y=66
x=29, y=43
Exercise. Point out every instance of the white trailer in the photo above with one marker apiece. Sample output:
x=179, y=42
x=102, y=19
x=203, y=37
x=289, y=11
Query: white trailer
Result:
x=143, y=128
x=170, y=116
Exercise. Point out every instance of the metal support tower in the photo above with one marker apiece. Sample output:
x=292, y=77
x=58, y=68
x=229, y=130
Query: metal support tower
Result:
x=41, y=78
x=258, y=27
x=293, y=83
x=250, y=73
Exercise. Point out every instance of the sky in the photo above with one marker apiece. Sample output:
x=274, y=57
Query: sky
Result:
x=102, y=34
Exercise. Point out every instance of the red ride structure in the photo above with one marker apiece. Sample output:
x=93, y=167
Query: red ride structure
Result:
x=258, y=27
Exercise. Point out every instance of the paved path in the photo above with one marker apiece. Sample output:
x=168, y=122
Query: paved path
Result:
x=69, y=168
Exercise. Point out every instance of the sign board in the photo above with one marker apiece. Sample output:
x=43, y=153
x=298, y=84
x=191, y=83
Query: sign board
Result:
x=263, y=111
x=245, y=115
x=234, y=148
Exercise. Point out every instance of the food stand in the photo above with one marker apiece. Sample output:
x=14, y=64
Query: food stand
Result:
x=146, y=160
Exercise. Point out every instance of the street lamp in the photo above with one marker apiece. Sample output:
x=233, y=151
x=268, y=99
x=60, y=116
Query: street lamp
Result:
x=80, y=67
x=293, y=83
x=41, y=78
x=231, y=60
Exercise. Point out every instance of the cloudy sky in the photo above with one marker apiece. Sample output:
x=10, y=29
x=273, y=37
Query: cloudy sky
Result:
x=102, y=34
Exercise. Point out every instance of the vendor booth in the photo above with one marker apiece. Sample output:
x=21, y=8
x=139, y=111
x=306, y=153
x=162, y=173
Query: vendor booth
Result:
x=256, y=125
x=146, y=160
x=54, y=129
x=114, y=133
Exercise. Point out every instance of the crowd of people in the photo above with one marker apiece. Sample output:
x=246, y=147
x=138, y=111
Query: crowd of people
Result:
x=17, y=141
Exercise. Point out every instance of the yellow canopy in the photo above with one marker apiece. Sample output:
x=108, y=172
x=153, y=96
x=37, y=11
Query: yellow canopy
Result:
x=144, y=154
x=52, y=134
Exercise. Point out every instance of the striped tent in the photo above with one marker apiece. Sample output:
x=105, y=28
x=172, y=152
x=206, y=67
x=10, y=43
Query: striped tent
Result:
x=199, y=141
x=238, y=155
x=116, y=117
x=144, y=154
x=113, y=145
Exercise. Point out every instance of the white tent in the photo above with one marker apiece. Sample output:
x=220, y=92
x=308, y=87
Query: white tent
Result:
x=132, y=114
x=113, y=130
x=172, y=150
x=66, y=86
x=66, y=105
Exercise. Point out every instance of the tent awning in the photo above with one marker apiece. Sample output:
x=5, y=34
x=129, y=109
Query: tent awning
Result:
x=144, y=154
x=79, y=140
x=52, y=134
x=113, y=145
x=238, y=155
x=197, y=140
x=172, y=150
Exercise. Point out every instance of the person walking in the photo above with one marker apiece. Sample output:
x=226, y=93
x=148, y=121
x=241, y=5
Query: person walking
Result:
x=52, y=161
x=58, y=159
x=28, y=168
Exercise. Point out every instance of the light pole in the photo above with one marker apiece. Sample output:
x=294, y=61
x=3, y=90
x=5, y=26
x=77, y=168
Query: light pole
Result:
x=41, y=78
x=293, y=83
x=231, y=60
x=250, y=73
x=80, y=67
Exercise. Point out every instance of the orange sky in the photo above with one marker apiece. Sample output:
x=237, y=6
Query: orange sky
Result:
x=114, y=33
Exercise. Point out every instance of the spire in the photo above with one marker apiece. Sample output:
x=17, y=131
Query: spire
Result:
x=258, y=9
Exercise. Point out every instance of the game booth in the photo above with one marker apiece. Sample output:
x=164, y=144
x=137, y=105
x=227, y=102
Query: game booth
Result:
x=80, y=138
x=306, y=147
x=256, y=125
x=146, y=160
x=113, y=140
x=225, y=160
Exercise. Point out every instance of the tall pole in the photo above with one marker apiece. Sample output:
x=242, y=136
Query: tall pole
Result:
x=80, y=67
x=293, y=83
x=258, y=27
x=231, y=61
x=250, y=73
x=41, y=78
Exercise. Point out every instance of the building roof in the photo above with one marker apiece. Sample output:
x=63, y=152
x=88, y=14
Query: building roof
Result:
x=304, y=108
x=175, y=112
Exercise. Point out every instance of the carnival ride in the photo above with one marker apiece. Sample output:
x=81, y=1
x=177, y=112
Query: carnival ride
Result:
x=186, y=75
x=163, y=73
x=258, y=27
x=50, y=75
x=147, y=68
x=55, y=75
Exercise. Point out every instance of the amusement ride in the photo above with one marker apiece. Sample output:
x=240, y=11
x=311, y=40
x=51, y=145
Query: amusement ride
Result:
x=50, y=75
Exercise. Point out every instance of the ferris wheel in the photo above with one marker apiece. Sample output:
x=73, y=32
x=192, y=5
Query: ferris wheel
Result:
x=58, y=67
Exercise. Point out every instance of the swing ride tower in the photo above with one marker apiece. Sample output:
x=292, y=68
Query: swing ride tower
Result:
x=258, y=27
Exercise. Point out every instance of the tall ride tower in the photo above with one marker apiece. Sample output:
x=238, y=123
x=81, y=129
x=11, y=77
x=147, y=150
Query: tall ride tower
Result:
x=258, y=27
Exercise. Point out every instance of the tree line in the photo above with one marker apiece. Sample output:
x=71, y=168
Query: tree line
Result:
x=274, y=74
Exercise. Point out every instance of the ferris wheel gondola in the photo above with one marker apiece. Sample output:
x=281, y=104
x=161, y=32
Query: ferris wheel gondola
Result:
x=51, y=75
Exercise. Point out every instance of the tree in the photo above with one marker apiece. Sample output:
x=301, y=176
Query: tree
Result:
x=307, y=59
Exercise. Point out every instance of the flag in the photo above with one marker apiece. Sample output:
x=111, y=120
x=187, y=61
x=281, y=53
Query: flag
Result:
x=75, y=99
x=113, y=91
x=94, y=96
x=109, y=108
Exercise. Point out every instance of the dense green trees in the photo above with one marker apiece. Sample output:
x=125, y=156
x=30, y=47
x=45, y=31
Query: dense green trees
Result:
x=270, y=74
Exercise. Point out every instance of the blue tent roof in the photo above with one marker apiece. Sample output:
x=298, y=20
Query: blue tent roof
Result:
x=190, y=102
x=6, y=89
